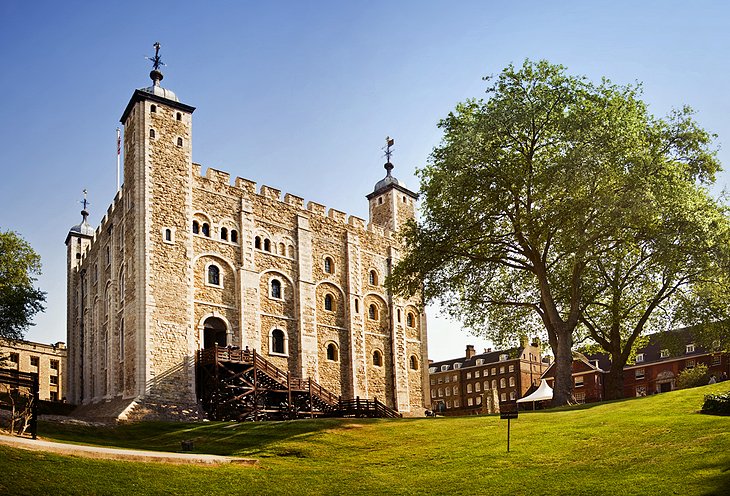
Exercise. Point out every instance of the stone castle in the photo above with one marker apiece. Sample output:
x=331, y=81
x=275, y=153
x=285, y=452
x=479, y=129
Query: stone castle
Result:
x=183, y=261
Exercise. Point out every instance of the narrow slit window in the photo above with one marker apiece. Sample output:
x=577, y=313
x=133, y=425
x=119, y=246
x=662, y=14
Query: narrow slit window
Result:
x=196, y=227
x=152, y=133
x=224, y=234
x=234, y=236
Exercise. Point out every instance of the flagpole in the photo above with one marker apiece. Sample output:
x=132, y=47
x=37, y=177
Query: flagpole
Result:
x=119, y=151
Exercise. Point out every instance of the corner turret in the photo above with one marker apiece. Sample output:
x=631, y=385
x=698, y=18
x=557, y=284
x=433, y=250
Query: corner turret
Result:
x=392, y=204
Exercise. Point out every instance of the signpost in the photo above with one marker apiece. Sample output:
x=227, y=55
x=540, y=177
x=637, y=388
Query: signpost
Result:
x=509, y=412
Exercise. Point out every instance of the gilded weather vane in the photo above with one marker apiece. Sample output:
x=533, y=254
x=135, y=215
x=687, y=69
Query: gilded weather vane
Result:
x=389, y=142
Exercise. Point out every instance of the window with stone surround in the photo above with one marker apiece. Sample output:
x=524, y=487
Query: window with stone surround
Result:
x=267, y=245
x=512, y=381
x=414, y=362
x=180, y=142
x=275, y=289
x=35, y=361
x=373, y=312
x=234, y=236
x=152, y=133
x=373, y=278
x=329, y=265
x=328, y=303
x=503, y=397
x=206, y=229
x=224, y=234
x=178, y=116
x=214, y=275
x=332, y=353
x=196, y=227
x=153, y=109
x=168, y=235
x=54, y=364
x=257, y=242
x=410, y=319
x=278, y=342
x=377, y=358
x=357, y=305
x=502, y=383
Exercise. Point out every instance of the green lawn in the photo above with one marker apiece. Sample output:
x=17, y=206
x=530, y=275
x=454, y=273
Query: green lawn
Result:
x=655, y=445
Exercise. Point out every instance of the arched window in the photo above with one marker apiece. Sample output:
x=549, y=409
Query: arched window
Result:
x=329, y=265
x=511, y=381
x=373, y=312
x=178, y=116
x=267, y=245
x=502, y=383
x=373, y=278
x=494, y=383
x=414, y=362
x=214, y=275
x=328, y=305
x=357, y=305
x=168, y=234
x=121, y=285
x=214, y=332
x=153, y=109
x=282, y=249
x=332, y=352
x=179, y=142
x=257, y=242
x=278, y=342
x=410, y=320
x=152, y=133
x=290, y=251
x=377, y=358
x=276, y=288
x=206, y=229
x=224, y=234
x=234, y=236
x=196, y=227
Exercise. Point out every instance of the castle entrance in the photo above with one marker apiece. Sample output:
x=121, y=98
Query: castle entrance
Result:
x=214, y=332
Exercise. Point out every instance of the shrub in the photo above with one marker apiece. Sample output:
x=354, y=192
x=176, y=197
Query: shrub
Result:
x=717, y=404
x=693, y=377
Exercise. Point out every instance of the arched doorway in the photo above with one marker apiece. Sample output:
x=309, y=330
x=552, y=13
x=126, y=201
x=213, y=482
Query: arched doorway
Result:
x=214, y=332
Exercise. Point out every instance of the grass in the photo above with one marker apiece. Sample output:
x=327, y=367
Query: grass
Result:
x=654, y=446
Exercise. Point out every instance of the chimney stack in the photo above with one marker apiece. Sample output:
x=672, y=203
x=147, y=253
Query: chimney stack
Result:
x=470, y=351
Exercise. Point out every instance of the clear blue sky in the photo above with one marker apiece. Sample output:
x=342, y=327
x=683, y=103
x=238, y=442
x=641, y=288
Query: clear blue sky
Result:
x=300, y=95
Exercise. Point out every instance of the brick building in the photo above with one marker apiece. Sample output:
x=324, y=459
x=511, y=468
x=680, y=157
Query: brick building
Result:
x=588, y=379
x=46, y=360
x=183, y=261
x=458, y=386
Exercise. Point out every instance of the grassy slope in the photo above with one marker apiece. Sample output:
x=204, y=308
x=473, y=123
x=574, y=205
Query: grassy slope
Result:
x=654, y=445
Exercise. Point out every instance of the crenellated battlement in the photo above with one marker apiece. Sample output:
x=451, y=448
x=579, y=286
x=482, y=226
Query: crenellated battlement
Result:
x=221, y=178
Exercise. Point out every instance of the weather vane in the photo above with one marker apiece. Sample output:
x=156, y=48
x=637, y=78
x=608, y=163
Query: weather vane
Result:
x=388, y=143
x=156, y=60
x=85, y=202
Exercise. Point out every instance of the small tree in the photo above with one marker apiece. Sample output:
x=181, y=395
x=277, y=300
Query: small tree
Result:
x=19, y=299
x=693, y=377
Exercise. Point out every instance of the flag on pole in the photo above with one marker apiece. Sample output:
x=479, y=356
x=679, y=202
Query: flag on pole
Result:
x=119, y=143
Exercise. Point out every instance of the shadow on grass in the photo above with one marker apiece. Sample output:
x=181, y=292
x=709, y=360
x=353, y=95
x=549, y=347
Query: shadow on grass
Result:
x=218, y=438
x=720, y=482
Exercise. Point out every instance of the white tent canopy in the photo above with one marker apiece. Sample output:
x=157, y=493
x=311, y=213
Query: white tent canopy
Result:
x=544, y=392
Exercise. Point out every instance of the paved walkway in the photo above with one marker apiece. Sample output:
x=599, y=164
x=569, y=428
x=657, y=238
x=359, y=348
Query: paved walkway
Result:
x=120, y=453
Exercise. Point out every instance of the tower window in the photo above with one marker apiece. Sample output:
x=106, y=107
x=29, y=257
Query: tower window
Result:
x=414, y=362
x=410, y=320
x=234, y=236
x=257, y=242
x=373, y=278
x=153, y=109
x=398, y=315
x=276, y=289
x=168, y=235
x=224, y=234
x=332, y=352
x=329, y=266
x=278, y=342
x=267, y=245
x=377, y=358
x=214, y=275
x=152, y=133
x=196, y=227
x=328, y=305
x=179, y=142
x=380, y=200
x=206, y=229
x=357, y=305
x=373, y=312
x=404, y=200
x=178, y=116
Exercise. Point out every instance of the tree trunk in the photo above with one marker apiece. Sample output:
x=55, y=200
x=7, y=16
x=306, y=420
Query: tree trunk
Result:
x=563, y=383
x=614, y=387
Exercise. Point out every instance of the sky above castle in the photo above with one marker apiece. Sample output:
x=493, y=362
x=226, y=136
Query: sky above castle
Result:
x=301, y=95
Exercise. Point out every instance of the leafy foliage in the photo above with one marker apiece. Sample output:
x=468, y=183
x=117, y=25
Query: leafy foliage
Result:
x=538, y=196
x=19, y=299
x=694, y=377
x=717, y=404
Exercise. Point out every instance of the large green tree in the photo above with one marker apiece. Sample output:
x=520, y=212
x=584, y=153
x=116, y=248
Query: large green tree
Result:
x=658, y=278
x=529, y=189
x=19, y=299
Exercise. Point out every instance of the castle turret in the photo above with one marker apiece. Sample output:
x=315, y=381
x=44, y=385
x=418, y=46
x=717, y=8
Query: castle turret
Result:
x=392, y=204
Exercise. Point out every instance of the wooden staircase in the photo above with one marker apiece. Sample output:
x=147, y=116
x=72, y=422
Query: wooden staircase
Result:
x=236, y=384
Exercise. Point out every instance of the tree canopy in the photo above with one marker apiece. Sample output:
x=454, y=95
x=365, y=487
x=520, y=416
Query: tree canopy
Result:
x=530, y=191
x=19, y=299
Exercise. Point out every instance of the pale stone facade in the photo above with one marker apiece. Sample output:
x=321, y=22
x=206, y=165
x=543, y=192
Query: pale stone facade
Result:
x=46, y=360
x=183, y=260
